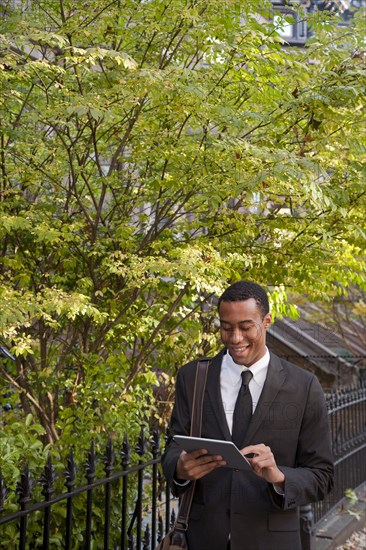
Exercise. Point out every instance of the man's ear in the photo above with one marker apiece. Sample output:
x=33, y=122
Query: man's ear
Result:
x=267, y=321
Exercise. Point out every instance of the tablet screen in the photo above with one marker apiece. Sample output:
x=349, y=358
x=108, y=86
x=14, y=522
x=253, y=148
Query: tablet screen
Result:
x=227, y=449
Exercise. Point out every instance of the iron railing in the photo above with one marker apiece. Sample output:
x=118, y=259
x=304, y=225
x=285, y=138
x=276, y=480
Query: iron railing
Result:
x=124, y=504
x=127, y=508
x=347, y=416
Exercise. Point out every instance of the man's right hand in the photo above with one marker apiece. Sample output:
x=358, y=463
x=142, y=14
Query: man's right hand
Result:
x=197, y=464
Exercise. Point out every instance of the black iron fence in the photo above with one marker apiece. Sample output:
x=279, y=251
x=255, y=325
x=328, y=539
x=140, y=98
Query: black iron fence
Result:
x=113, y=502
x=347, y=416
x=120, y=505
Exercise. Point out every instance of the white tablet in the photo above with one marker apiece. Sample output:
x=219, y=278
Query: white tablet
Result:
x=227, y=449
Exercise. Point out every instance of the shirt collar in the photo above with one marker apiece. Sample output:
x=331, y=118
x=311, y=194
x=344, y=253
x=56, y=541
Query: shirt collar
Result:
x=258, y=366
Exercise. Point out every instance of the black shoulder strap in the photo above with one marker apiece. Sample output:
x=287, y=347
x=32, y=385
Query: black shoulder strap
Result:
x=196, y=427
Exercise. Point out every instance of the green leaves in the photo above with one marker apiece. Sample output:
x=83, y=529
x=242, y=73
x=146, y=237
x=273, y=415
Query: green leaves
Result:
x=149, y=153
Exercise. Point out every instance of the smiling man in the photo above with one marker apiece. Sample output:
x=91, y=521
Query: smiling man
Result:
x=275, y=413
x=243, y=326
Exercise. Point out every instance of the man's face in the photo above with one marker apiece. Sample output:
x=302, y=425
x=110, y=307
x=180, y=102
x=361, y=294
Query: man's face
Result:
x=243, y=330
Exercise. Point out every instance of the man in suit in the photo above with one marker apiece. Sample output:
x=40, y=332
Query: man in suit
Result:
x=286, y=437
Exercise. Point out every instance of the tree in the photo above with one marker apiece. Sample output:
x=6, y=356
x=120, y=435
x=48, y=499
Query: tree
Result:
x=151, y=151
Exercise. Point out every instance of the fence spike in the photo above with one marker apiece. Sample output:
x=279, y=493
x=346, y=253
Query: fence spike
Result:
x=141, y=443
x=48, y=479
x=109, y=458
x=155, y=443
x=70, y=471
x=90, y=464
x=24, y=487
x=161, y=484
x=160, y=528
x=125, y=453
x=3, y=492
x=146, y=539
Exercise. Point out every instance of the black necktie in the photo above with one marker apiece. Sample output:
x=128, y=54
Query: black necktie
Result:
x=243, y=410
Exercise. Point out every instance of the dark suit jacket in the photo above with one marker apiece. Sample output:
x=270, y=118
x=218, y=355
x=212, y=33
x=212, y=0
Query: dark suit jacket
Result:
x=291, y=417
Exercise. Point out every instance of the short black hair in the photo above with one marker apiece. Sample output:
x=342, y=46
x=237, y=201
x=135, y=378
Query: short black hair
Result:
x=244, y=290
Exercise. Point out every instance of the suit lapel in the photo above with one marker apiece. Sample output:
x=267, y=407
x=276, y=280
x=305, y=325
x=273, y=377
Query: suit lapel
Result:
x=272, y=385
x=213, y=391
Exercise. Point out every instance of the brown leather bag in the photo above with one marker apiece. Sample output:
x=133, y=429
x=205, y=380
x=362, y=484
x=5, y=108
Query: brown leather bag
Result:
x=176, y=538
x=173, y=540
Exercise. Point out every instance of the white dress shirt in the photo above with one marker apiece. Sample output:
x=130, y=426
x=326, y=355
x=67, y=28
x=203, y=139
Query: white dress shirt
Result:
x=230, y=382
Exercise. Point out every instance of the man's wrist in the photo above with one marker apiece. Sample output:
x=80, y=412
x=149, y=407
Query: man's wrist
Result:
x=279, y=483
x=181, y=482
x=280, y=478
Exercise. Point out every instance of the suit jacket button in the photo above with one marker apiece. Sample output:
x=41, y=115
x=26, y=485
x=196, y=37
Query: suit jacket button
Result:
x=236, y=470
